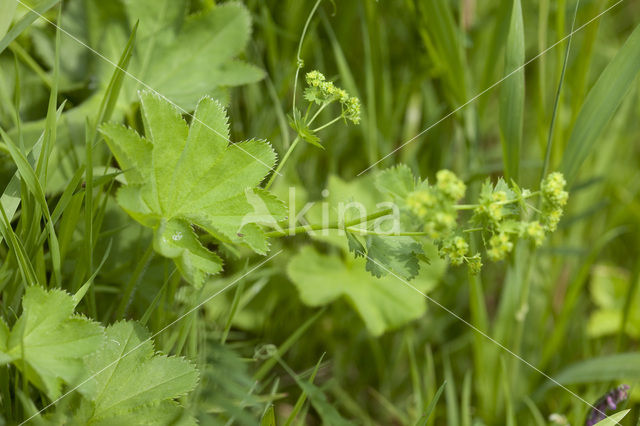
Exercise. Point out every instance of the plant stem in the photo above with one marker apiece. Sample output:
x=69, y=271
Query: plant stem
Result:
x=287, y=154
x=333, y=225
x=323, y=106
x=362, y=231
x=327, y=124
x=127, y=294
x=502, y=203
x=298, y=58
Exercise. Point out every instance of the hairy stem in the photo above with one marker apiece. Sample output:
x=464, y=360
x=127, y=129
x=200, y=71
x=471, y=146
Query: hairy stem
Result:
x=281, y=164
x=333, y=225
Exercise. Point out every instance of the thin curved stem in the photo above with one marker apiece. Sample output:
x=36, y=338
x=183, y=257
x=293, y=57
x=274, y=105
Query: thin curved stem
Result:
x=337, y=225
x=298, y=58
x=323, y=106
x=282, y=163
x=317, y=129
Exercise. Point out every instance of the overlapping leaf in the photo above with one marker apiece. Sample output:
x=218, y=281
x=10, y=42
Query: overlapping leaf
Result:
x=48, y=342
x=180, y=175
x=129, y=384
x=382, y=303
x=375, y=282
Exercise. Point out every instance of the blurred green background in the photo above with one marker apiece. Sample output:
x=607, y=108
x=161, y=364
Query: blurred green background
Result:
x=571, y=309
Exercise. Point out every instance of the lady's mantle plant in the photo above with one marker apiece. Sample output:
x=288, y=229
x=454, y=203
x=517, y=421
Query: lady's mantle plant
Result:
x=501, y=215
x=180, y=175
x=118, y=375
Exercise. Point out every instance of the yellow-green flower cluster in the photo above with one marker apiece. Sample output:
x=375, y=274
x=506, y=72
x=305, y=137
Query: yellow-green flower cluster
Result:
x=421, y=202
x=499, y=246
x=436, y=212
x=321, y=92
x=351, y=109
x=501, y=215
x=474, y=263
x=450, y=185
x=435, y=207
x=492, y=207
x=554, y=198
x=456, y=248
x=533, y=231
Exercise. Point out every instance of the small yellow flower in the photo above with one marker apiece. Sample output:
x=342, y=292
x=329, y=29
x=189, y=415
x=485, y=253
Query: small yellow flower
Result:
x=535, y=232
x=553, y=189
x=450, y=185
x=500, y=246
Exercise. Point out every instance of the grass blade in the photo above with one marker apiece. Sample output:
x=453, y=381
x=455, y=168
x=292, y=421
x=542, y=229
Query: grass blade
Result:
x=613, y=419
x=602, y=369
x=7, y=10
x=28, y=175
x=512, y=95
x=25, y=21
x=601, y=104
x=432, y=405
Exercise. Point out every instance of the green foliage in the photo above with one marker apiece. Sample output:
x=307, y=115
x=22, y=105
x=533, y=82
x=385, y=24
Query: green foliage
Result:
x=617, y=367
x=180, y=175
x=395, y=255
x=512, y=95
x=424, y=81
x=181, y=55
x=48, y=341
x=613, y=419
x=128, y=383
x=610, y=287
x=184, y=57
x=500, y=215
x=601, y=105
x=7, y=9
x=383, y=303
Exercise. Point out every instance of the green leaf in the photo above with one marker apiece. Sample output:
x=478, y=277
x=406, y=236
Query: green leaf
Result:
x=512, y=95
x=327, y=411
x=423, y=421
x=4, y=338
x=131, y=150
x=25, y=21
x=269, y=417
x=395, y=255
x=302, y=129
x=175, y=239
x=613, y=419
x=181, y=175
x=48, y=342
x=184, y=57
x=623, y=366
x=7, y=9
x=397, y=181
x=443, y=39
x=130, y=384
x=601, y=104
x=382, y=303
x=609, y=287
x=355, y=246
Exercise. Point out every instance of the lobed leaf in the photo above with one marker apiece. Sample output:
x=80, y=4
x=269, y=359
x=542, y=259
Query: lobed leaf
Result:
x=394, y=255
x=181, y=175
x=48, y=342
x=382, y=303
x=128, y=383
